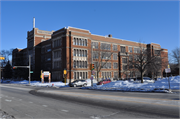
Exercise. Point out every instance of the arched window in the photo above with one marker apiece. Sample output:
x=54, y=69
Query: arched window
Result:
x=82, y=53
x=79, y=53
x=77, y=41
x=85, y=42
x=85, y=64
x=74, y=64
x=74, y=42
x=85, y=53
x=80, y=64
x=74, y=52
x=77, y=65
x=82, y=42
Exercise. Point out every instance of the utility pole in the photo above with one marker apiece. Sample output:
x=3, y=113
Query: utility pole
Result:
x=29, y=68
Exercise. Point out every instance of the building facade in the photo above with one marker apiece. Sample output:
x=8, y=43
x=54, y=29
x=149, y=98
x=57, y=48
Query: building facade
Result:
x=72, y=48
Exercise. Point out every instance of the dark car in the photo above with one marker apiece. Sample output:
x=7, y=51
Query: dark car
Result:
x=104, y=81
x=78, y=83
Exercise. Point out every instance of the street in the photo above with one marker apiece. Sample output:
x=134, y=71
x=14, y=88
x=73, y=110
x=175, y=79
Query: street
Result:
x=40, y=102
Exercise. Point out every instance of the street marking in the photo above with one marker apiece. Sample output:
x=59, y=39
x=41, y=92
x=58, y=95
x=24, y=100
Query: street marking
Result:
x=20, y=99
x=65, y=110
x=0, y=97
x=44, y=105
x=30, y=102
x=8, y=100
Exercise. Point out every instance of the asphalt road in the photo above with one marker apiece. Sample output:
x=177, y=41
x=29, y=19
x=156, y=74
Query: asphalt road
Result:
x=32, y=102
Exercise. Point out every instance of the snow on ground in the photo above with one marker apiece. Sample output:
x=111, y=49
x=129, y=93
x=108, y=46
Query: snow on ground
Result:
x=161, y=85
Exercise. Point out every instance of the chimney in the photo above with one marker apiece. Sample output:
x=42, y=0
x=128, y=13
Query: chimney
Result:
x=33, y=22
x=110, y=35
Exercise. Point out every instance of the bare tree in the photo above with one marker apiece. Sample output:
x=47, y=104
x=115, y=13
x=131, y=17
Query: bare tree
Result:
x=144, y=60
x=6, y=54
x=101, y=56
x=176, y=56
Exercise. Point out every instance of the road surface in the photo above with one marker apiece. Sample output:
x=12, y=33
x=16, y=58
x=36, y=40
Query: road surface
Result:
x=33, y=103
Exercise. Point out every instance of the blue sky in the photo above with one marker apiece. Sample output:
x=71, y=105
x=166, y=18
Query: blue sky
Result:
x=145, y=21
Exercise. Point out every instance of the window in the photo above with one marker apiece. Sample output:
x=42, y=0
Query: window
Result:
x=130, y=57
x=135, y=57
x=57, y=43
x=82, y=64
x=115, y=47
x=82, y=53
x=124, y=67
x=74, y=64
x=77, y=65
x=136, y=50
x=115, y=56
x=48, y=57
x=106, y=55
x=105, y=46
x=80, y=41
x=157, y=52
x=115, y=74
x=77, y=41
x=95, y=55
x=74, y=42
x=57, y=64
x=85, y=42
x=123, y=49
x=85, y=53
x=79, y=53
x=106, y=65
x=74, y=75
x=57, y=54
x=115, y=65
x=43, y=50
x=106, y=74
x=74, y=52
x=124, y=60
x=48, y=48
x=95, y=44
x=85, y=64
x=130, y=49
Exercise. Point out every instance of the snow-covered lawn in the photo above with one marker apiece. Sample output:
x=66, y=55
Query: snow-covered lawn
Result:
x=161, y=85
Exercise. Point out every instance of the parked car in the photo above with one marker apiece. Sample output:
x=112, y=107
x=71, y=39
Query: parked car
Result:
x=78, y=83
x=104, y=81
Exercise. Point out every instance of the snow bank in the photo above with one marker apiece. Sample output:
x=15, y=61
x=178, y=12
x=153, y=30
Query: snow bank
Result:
x=161, y=85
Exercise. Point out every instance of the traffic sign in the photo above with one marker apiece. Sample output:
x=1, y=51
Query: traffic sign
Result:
x=167, y=70
x=91, y=78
